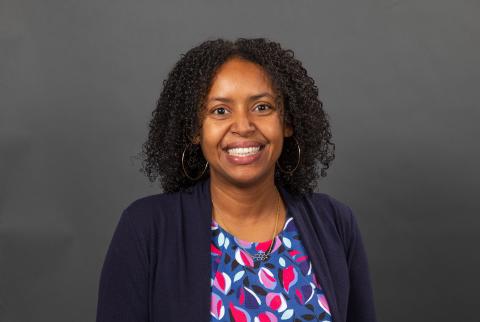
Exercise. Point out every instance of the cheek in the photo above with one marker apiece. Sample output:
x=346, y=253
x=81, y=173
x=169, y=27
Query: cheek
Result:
x=211, y=137
x=274, y=131
x=275, y=134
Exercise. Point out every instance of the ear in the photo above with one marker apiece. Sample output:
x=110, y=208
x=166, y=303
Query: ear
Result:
x=287, y=130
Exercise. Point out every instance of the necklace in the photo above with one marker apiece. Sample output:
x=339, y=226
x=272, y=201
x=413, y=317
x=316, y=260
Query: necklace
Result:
x=261, y=256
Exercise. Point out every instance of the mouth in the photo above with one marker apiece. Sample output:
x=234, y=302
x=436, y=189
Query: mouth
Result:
x=244, y=152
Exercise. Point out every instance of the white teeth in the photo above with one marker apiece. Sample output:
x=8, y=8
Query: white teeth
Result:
x=243, y=151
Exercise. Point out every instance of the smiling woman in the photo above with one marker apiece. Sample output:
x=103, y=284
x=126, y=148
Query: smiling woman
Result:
x=238, y=233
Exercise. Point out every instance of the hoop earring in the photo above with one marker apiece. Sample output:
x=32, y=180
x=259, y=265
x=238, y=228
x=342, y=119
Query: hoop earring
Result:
x=298, y=162
x=183, y=166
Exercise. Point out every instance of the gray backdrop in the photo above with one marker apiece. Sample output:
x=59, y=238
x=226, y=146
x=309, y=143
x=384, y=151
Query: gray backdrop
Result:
x=399, y=79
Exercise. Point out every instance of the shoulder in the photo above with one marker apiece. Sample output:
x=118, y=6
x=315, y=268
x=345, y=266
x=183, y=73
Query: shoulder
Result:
x=330, y=206
x=152, y=203
x=326, y=199
x=152, y=210
x=157, y=213
x=332, y=212
x=166, y=202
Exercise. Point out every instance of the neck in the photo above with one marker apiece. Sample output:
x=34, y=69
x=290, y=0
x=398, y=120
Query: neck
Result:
x=249, y=210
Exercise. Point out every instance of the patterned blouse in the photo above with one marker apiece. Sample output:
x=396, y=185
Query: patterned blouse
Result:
x=283, y=288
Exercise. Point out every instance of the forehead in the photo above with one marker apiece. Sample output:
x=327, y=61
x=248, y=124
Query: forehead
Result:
x=238, y=77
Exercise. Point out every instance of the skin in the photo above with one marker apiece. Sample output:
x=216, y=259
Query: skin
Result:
x=244, y=196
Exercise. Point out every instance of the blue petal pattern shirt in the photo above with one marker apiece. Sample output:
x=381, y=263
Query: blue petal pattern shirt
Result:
x=282, y=288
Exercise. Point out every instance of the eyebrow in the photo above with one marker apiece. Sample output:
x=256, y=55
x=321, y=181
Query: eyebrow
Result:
x=251, y=98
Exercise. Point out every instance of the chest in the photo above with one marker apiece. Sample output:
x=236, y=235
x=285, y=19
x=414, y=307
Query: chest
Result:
x=185, y=278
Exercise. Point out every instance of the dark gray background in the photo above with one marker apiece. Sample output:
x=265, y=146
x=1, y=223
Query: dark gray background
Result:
x=399, y=79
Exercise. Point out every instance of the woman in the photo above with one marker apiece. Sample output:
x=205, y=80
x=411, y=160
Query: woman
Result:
x=238, y=234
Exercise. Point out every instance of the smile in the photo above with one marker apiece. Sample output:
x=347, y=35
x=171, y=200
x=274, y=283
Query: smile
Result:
x=244, y=156
x=242, y=152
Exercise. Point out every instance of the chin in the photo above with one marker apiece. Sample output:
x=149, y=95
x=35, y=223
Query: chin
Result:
x=247, y=178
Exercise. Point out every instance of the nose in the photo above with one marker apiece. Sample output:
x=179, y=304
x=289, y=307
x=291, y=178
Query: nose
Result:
x=242, y=124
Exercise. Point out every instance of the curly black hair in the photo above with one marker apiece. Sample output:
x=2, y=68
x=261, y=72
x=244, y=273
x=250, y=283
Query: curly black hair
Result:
x=177, y=117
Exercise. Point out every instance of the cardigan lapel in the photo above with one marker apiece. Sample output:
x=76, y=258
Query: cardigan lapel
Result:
x=199, y=207
x=311, y=241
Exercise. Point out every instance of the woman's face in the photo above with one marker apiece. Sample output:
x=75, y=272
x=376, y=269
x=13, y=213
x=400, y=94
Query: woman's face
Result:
x=242, y=129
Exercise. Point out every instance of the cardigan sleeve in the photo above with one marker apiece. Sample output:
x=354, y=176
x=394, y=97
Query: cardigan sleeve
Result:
x=123, y=286
x=361, y=306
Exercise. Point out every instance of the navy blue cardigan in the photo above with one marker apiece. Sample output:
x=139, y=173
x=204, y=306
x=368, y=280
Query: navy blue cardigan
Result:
x=157, y=266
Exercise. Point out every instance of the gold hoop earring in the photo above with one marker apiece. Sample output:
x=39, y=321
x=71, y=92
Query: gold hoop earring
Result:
x=298, y=161
x=183, y=166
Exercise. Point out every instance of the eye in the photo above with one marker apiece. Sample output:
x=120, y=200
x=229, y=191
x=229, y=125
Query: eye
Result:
x=219, y=111
x=263, y=107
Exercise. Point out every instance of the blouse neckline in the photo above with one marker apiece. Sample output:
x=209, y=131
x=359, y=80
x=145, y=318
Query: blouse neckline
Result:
x=254, y=247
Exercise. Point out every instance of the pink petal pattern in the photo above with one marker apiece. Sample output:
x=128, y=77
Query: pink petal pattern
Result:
x=266, y=317
x=266, y=278
x=322, y=301
x=276, y=302
x=243, y=258
x=238, y=314
x=217, y=310
x=288, y=277
x=214, y=250
x=222, y=282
